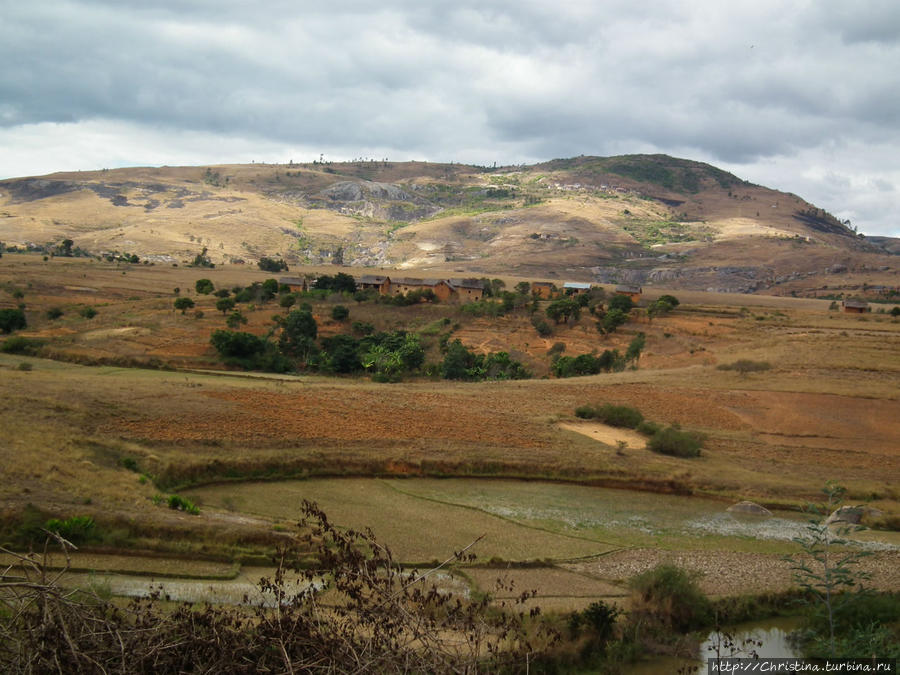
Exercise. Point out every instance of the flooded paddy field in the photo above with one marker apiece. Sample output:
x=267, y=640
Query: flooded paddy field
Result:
x=424, y=519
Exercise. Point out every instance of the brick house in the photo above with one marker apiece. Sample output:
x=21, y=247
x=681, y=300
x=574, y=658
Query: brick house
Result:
x=855, y=306
x=633, y=292
x=382, y=284
x=467, y=290
x=296, y=284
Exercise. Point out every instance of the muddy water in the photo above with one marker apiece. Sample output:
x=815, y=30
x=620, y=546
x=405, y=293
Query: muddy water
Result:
x=768, y=639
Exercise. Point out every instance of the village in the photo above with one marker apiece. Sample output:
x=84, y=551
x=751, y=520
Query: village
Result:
x=455, y=290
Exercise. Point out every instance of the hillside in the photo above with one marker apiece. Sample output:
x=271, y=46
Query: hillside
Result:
x=647, y=219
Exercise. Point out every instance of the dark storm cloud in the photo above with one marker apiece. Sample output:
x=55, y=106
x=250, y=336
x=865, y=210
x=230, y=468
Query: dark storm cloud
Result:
x=739, y=83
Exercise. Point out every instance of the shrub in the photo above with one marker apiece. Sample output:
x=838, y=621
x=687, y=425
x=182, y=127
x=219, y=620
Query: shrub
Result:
x=21, y=345
x=744, y=366
x=668, y=596
x=182, y=504
x=671, y=441
x=76, y=529
x=25, y=367
x=619, y=415
x=54, y=313
x=586, y=412
x=339, y=312
x=362, y=328
x=542, y=327
x=648, y=428
x=88, y=313
x=12, y=319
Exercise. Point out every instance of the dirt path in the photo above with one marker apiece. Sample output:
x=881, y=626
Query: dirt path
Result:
x=607, y=434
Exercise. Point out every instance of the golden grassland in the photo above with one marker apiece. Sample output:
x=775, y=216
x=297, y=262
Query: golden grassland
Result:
x=828, y=409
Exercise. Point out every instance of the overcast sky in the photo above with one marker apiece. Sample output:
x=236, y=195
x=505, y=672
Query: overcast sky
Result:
x=800, y=96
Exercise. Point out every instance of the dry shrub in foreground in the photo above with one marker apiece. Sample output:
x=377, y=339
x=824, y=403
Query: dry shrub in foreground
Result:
x=356, y=611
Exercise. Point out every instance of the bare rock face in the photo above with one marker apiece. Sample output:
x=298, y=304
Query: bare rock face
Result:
x=746, y=508
x=852, y=515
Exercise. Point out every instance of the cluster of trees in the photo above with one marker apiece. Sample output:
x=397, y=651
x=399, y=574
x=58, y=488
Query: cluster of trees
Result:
x=460, y=363
x=589, y=364
x=294, y=345
x=272, y=265
x=339, y=283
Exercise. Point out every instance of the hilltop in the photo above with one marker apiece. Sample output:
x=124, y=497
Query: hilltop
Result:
x=649, y=219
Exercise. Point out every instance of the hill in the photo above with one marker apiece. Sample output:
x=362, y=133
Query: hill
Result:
x=649, y=219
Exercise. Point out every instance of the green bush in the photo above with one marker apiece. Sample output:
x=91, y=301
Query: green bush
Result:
x=21, y=345
x=88, y=313
x=668, y=596
x=339, y=312
x=648, y=428
x=671, y=441
x=542, y=327
x=54, y=313
x=586, y=412
x=77, y=529
x=619, y=415
x=179, y=503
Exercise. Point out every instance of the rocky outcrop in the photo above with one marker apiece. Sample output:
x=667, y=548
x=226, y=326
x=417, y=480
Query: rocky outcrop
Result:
x=852, y=515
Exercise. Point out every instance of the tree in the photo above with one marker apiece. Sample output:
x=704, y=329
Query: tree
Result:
x=456, y=362
x=659, y=308
x=201, y=260
x=204, y=286
x=669, y=299
x=635, y=347
x=339, y=313
x=342, y=354
x=183, y=304
x=298, y=335
x=65, y=248
x=225, y=305
x=12, y=319
x=895, y=311
x=235, y=319
x=563, y=309
x=523, y=288
x=272, y=265
x=621, y=302
x=268, y=290
x=611, y=321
